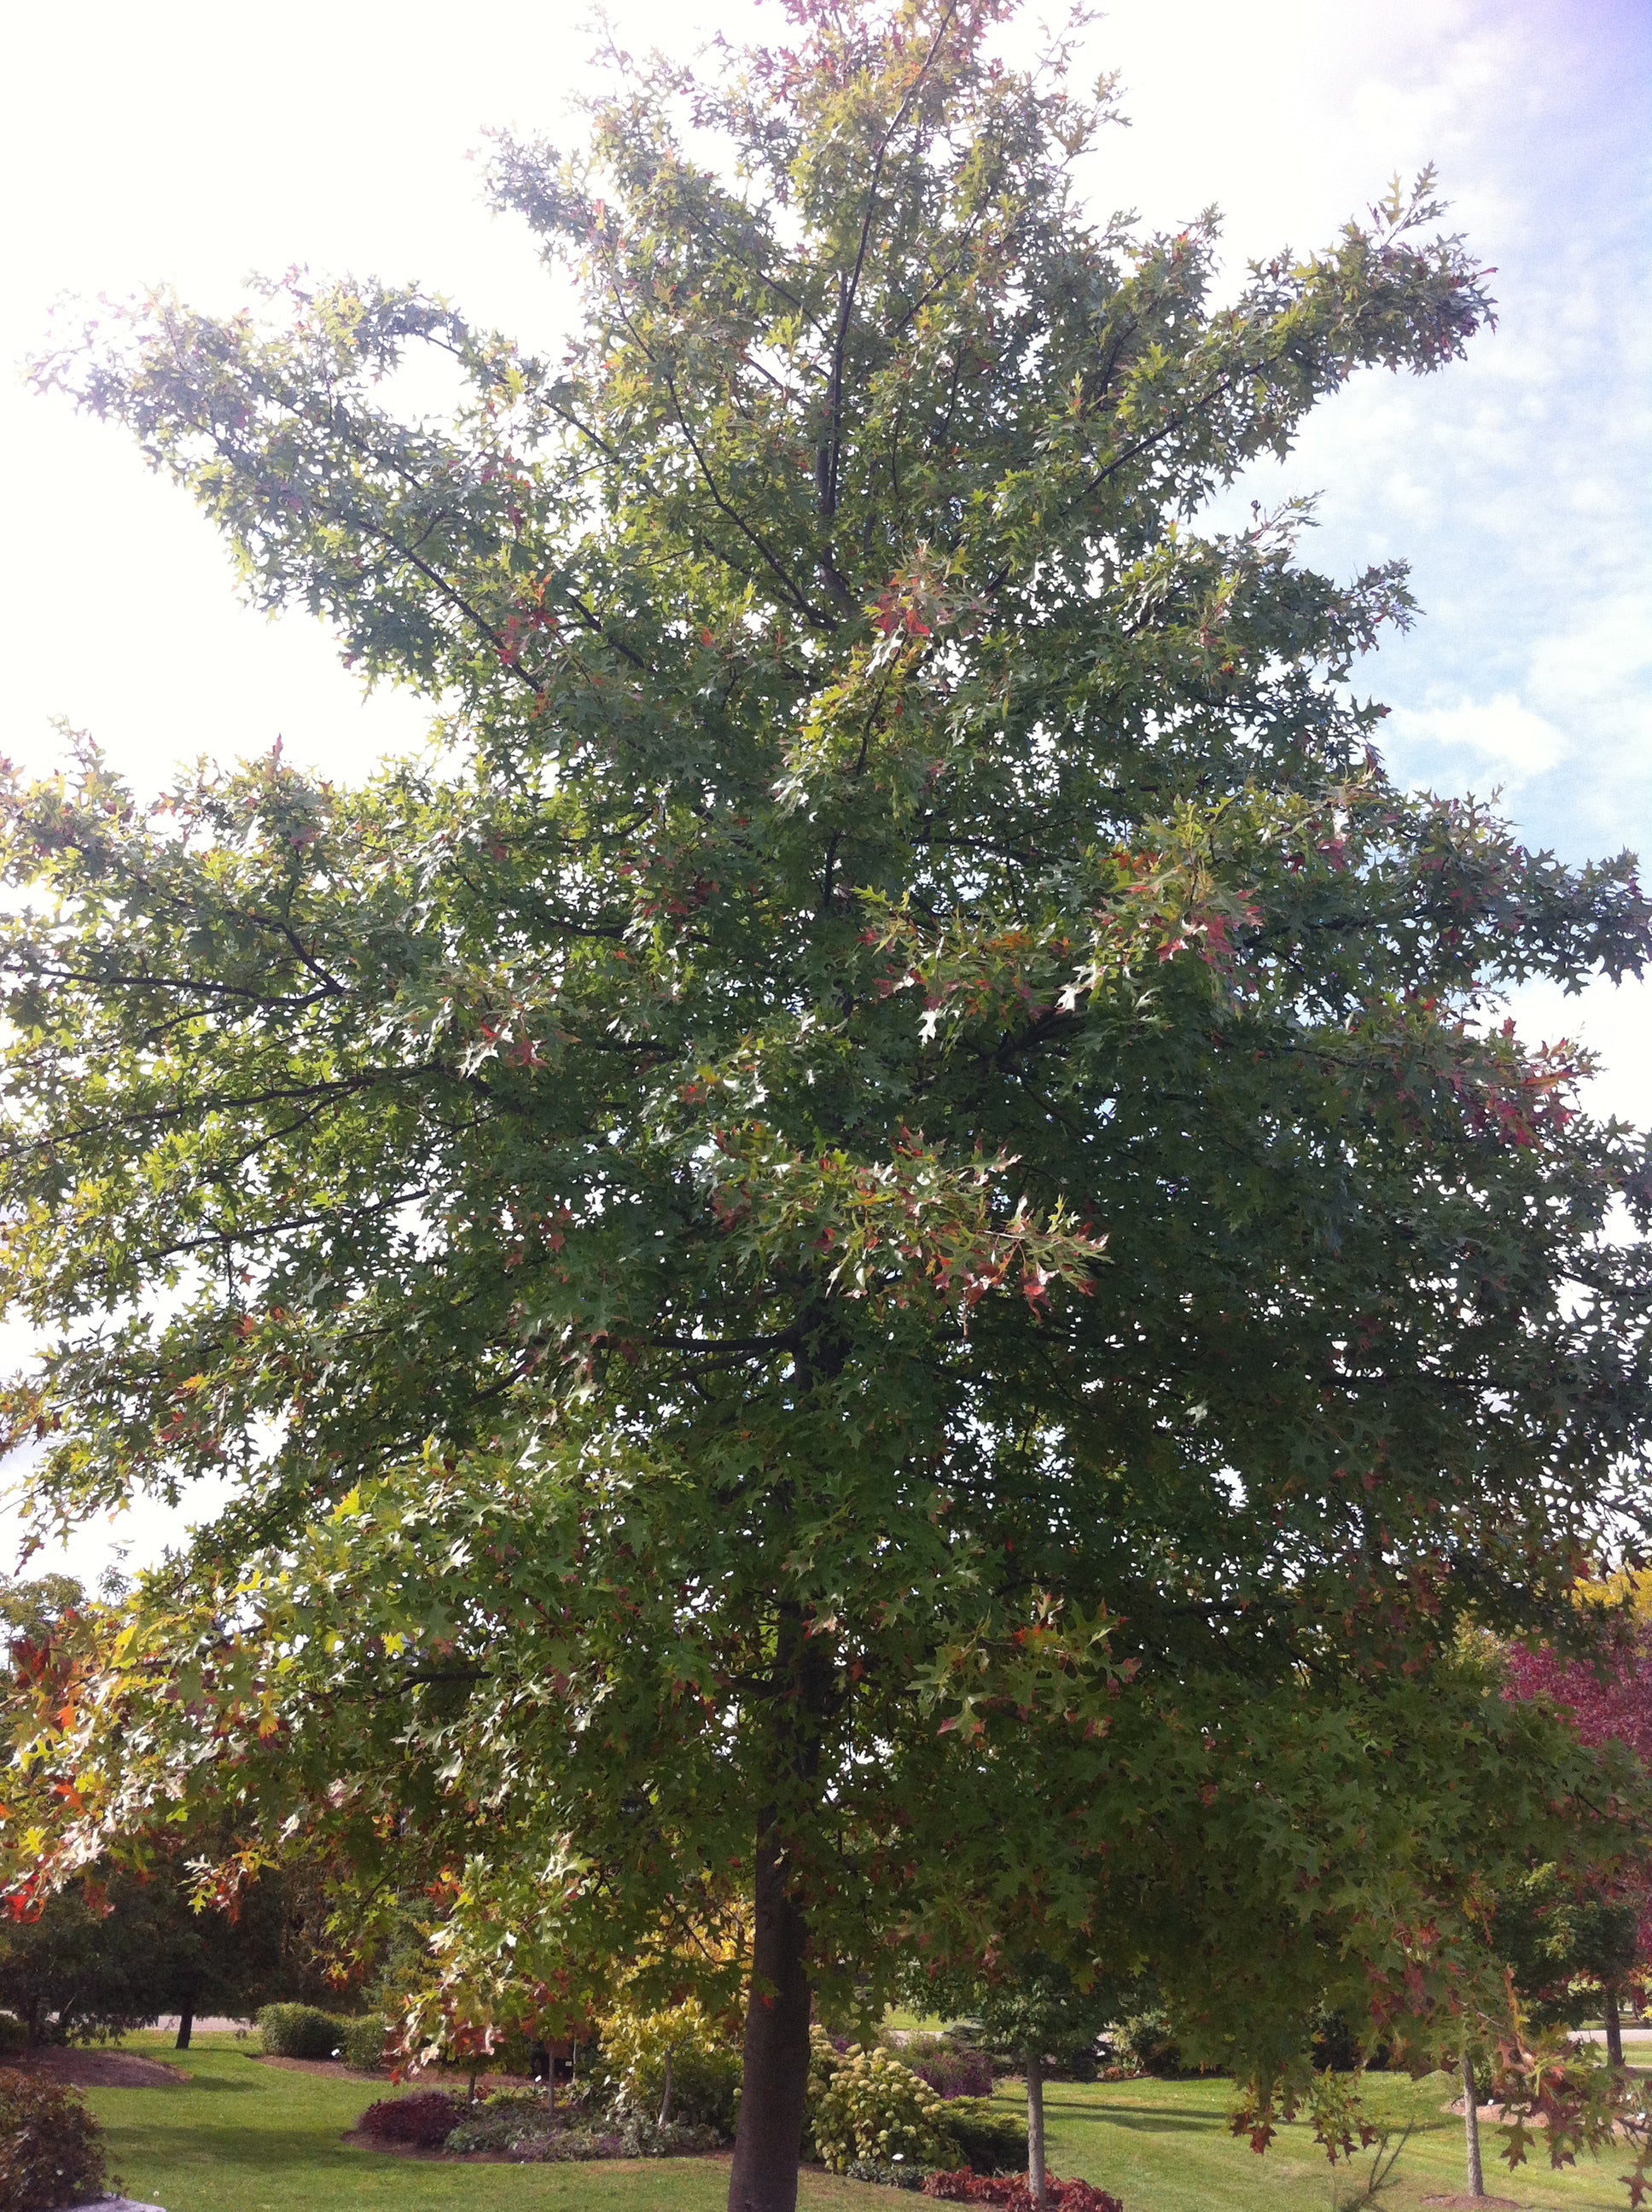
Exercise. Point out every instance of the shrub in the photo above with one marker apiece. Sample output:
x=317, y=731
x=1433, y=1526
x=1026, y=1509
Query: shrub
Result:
x=51, y=2152
x=518, y=2122
x=1144, y=2044
x=867, y=2106
x=989, y=2141
x=705, y=2066
x=14, y=2035
x=1336, y=2045
x=951, y=2069
x=886, y=2177
x=297, y=2030
x=364, y=2042
x=968, y=2188
x=576, y=2146
x=513, y=2120
x=427, y=2118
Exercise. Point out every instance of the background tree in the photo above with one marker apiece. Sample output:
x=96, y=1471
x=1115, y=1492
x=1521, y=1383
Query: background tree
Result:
x=114, y=1951
x=1608, y=1702
x=1034, y=2014
x=884, y=1193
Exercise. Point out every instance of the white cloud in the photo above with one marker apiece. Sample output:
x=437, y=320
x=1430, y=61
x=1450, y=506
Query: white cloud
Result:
x=1603, y=663
x=1614, y=1021
x=1501, y=732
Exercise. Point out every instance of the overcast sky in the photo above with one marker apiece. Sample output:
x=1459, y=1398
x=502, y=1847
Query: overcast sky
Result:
x=195, y=144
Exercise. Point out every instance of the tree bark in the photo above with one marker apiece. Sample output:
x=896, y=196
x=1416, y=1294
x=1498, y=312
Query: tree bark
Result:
x=665, y=2098
x=186, y=2026
x=1472, y=2127
x=1035, y=2175
x=1614, y=2030
x=774, y=2087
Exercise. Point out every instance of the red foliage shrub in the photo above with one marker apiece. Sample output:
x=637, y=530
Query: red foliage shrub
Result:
x=1012, y=2191
x=424, y=2118
x=51, y=2152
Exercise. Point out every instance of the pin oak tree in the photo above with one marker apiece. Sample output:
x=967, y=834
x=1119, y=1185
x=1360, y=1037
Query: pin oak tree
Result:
x=874, y=1255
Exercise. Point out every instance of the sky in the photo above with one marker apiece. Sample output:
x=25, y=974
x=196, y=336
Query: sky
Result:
x=196, y=144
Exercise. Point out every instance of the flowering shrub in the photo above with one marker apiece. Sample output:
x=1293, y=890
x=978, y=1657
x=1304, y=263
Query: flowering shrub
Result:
x=426, y=2119
x=868, y=2107
x=1145, y=2043
x=705, y=2066
x=951, y=2069
x=1013, y=2193
x=51, y=2152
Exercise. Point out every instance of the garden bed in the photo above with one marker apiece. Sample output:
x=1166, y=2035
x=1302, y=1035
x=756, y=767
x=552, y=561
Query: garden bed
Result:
x=96, y=2069
x=358, y=2139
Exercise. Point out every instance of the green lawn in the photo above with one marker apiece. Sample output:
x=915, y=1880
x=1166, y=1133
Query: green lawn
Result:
x=240, y=2136
x=1164, y=2146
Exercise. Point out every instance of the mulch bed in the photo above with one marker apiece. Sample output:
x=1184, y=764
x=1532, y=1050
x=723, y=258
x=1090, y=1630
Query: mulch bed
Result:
x=1474, y=2203
x=98, y=2069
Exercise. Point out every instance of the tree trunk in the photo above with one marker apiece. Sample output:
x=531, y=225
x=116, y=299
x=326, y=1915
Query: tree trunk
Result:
x=185, y=2025
x=665, y=2097
x=1035, y=2178
x=774, y=2088
x=1614, y=2030
x=1472, y=2127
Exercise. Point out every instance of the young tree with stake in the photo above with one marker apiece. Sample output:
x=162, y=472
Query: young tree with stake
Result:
x=884, y=1192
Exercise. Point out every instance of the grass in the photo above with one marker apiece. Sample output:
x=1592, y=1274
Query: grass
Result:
x=239, y=2136
x=1164, y=2146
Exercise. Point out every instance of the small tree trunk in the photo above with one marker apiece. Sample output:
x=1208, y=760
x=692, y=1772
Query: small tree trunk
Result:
x=186, y=2026
x=550, y=2081
x=1614, y=2030
x=1035, y=2177
x=1472, y=2127
x=665, y=2097
x=774, y=2084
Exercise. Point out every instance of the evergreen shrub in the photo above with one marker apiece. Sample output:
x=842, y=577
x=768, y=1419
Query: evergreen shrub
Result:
x=297, y=2030
x=363, y=2042
x=989, y=2141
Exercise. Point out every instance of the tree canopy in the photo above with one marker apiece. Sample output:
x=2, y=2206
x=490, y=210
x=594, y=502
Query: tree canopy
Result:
x=875, y=1250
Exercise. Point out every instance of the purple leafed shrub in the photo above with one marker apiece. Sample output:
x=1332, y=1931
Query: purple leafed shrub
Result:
x=950, y=2070
x=425, y=2119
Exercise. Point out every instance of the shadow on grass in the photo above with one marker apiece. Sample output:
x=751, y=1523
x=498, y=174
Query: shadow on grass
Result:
x=1138, y=2120
x=198, y=2085
x=186, y=2139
